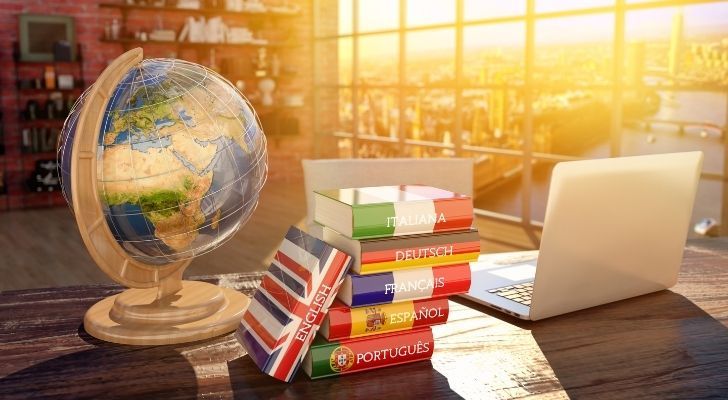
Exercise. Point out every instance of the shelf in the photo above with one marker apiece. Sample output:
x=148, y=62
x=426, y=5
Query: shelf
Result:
x=41, y=154
x=18, y=166
x=34, y=192
x=129, y=41
x=26, y=62
x=200, y=11
x=44, y=90
x=41, y=121
x=29, y=192
x=250, y=77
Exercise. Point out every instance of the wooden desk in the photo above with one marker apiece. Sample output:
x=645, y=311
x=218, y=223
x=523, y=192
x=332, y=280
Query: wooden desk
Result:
x=672, y=344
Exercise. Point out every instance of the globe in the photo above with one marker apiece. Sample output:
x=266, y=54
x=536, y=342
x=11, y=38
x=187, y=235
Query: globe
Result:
x=160, y=160
x=180, y=160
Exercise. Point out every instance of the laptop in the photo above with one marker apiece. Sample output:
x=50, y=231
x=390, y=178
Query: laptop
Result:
x=615, y=228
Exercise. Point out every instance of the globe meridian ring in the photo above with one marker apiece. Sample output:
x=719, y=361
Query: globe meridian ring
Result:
x=108, y=254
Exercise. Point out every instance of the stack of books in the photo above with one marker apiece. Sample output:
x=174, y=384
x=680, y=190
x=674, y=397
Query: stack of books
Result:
x=411, y=247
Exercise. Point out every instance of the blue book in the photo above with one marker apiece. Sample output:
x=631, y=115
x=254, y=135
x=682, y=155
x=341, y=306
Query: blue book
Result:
x=403, y=285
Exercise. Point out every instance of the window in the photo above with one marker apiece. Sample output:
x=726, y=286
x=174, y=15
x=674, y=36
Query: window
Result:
x=520, y=85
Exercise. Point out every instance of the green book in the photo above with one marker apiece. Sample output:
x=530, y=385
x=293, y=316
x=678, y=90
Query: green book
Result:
x=386, y=211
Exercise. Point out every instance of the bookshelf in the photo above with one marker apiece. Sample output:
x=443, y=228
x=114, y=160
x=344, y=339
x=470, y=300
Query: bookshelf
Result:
x=130, y=42
x=136, y=18
x=30, y=138
x=253, y=20
x=235, y=61
x=203, y=11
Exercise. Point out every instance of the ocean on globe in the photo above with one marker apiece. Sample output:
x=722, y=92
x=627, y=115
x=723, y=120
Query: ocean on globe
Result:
x=180, y=163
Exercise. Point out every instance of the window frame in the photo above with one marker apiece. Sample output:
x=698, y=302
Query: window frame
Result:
x=528, y=156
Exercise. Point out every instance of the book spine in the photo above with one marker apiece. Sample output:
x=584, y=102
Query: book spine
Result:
x=345, y=322
x=410, y=218
x=349, y=356
x=412, y=284
x=418, y=256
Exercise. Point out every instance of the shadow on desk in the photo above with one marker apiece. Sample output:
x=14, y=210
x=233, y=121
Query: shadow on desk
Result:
x=246, y=382
x=659, y=345
x=106, y=371
x=109, y=370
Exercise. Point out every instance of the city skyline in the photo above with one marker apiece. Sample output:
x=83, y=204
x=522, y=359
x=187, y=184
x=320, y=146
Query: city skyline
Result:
x=674, y=98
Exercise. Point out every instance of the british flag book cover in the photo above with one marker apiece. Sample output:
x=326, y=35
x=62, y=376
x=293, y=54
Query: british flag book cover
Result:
x=343, y=322
x=289, y=306
x=331, y=358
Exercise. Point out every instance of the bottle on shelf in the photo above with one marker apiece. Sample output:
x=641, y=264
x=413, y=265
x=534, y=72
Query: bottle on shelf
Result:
x=261, y=63
x=275, y=65
x=115, y=29
x=50, y=77
x=31, y=110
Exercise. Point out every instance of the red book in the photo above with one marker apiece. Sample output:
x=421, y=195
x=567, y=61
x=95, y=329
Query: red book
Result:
x=343, y=322
x=331, y=358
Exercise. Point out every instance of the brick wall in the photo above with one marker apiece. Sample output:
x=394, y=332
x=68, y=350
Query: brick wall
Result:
x=285, y=152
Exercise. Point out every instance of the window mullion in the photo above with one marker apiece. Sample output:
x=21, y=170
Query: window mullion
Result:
x=458, y=129
x=527, y=134
x=355, y=77
x=401, y=95
x=615, y=134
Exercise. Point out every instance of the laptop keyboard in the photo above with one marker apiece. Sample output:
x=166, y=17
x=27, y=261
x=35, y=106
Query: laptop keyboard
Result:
x=520, y=293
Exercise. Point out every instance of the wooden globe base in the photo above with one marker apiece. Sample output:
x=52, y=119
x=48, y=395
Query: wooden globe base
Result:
x=197, y=311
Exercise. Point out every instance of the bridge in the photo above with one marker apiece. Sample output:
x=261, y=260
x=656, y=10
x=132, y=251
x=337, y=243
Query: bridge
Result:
x=682, y=124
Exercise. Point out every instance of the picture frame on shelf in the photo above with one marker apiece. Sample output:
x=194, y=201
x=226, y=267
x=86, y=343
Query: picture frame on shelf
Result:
x=39, y=34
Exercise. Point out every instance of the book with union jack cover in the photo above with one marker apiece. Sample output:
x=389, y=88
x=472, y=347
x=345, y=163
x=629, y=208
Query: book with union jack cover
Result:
x=287, y=309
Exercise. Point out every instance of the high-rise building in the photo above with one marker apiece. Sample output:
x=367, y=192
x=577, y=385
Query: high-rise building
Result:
x=676, y=43
x=635, y=63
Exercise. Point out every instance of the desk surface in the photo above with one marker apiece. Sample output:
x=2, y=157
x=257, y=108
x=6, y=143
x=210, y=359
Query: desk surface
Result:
x=671, y=344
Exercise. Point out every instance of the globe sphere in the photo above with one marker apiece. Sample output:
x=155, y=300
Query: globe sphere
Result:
x=181, y=160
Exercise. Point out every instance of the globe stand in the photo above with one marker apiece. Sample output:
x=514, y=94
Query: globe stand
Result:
x=160, y=308
x=176, y=311
x=197, y=311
